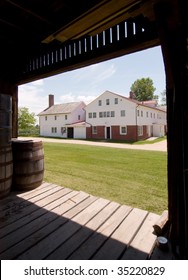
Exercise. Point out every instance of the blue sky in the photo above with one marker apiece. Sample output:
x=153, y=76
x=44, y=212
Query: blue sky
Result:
x=116, y=75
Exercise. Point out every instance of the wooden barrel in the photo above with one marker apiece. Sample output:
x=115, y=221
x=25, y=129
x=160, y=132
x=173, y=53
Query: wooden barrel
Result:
x=5, y=120
x=28, y=164
x=6, y=170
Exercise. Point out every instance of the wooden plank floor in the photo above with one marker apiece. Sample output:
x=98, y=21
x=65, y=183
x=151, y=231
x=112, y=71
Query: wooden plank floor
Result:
x=52, y=222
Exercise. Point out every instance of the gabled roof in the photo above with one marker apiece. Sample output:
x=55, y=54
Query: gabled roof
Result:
x=130, y=100
x=61, y=108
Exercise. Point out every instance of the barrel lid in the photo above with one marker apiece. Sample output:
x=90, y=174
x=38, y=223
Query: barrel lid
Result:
x=28, y=142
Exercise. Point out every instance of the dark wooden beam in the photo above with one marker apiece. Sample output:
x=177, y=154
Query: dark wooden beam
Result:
x=30, y=12
x=172, y=33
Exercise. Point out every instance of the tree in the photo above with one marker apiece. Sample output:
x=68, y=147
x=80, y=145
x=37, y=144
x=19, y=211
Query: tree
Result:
x=163, y=97
x=143, y=89
x=26, y=120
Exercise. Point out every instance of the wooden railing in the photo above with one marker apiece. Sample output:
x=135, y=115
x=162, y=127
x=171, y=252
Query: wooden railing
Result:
x=126, y=37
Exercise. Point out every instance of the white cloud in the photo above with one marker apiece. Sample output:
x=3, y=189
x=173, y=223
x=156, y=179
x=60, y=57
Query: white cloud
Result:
x=66, y=98
x=30, y=96
x=104, y=73
x=96, y=73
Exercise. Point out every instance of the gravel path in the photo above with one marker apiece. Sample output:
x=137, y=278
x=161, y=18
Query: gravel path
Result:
x=159, y=146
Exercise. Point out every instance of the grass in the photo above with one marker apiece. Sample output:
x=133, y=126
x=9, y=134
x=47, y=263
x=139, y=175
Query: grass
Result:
x=141, y=142
x=136, y=178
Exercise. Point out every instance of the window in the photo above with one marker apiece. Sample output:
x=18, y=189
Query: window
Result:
x=46, y=118
x=90, y=115
x=100, y=102
x=154, y=115
x=94, y=130
x=151, y=115
x=94, y=114
x=140, y=130
x=55, y=118
x=107, y=101
x=63, y=130
x=108, y=114
x=138, y=113
x=116, y=101
x=122, y=113
x=54, y=129
x=147, y=114
x=123, y=130
x=104, y=114
x=112, y=114
x=65, y=117
x=79, y=117
x=100, y=114
x=141, y=113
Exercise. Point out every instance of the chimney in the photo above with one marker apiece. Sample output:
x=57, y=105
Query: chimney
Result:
x=51, y=100
x=131, y=95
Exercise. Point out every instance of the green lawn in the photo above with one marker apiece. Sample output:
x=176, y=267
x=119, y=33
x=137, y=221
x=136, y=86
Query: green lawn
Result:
x=132, y=177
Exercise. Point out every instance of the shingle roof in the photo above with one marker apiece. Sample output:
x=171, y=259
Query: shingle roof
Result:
x=60, y=108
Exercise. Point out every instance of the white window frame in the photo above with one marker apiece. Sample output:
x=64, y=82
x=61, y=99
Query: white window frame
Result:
x=123, y=113
x=112, y=114
x=94, y=129
x=140, y=130
x=54, y=129
x=101, y=114
x=122, y=127
x=108, y=114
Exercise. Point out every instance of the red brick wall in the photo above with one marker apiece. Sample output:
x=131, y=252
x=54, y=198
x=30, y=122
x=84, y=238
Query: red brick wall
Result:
x=115, y=133
x=130, y=136
x=88, y=132
x=99, y=135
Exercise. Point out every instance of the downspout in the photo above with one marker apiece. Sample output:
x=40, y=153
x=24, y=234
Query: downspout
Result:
x=136, y=124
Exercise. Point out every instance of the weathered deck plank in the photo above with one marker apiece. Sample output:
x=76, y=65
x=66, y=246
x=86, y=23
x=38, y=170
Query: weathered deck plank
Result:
x=42, y=232
x=71, y=245
x=20, y=222
x=62, y=227
x=122, y=236
x=15, y=211
x=31, y=227
x=144, y=241
x=99, y=237
x=52, y=222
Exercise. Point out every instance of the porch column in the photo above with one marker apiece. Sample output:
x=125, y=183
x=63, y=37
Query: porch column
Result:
x=9, y=88
x=172, y=33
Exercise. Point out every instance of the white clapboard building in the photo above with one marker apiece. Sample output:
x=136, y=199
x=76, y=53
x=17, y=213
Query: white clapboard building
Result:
x=63, y=120
x=112, y=116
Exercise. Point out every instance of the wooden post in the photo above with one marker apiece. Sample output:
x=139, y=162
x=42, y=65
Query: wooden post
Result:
x=10, y=88
x=172, y=35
